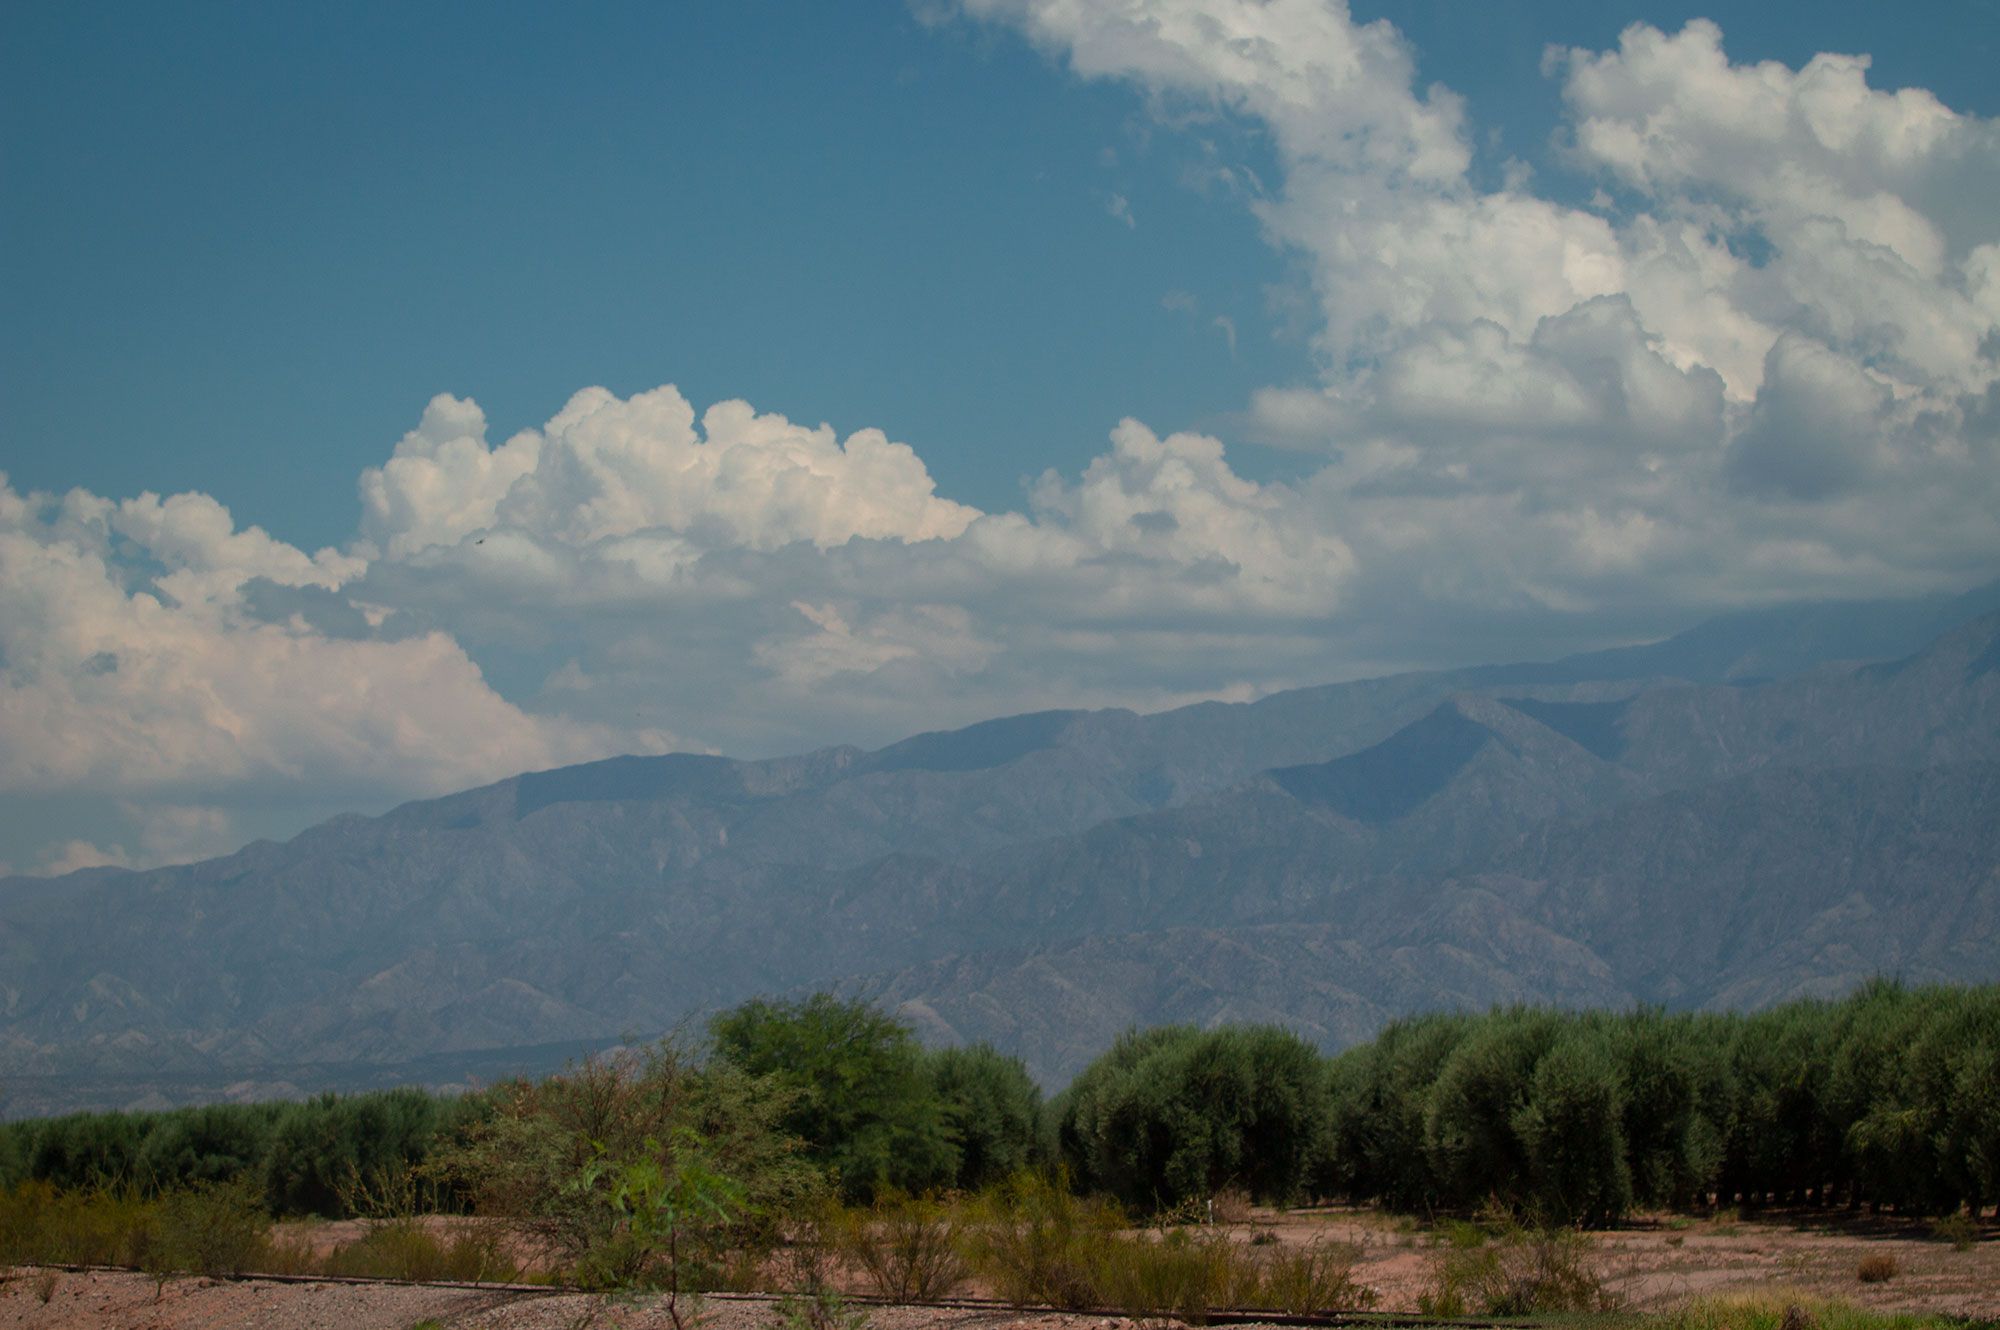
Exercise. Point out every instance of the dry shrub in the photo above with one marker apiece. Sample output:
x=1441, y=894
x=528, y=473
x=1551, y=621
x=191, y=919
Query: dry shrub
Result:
x=1787, y=1309
x=1039, y=1245
x=461, y=1251
x=218, y=1229
x=1231, y=1205
x=1184, y=1275
x=42, y=1225
x=1523, y=1273
x=1315, y=1278
x=290, y=1251
x=1878, y=1268
x=910, y=1247
x=1957, y=1229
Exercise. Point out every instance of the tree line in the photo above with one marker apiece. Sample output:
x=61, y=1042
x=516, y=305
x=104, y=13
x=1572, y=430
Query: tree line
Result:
x=1887, y=1097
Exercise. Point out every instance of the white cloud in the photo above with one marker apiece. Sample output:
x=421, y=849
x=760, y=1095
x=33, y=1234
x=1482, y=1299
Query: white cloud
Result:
x=1761, y=364
x=1752, y=367
x=134, y=668
x=607, y=467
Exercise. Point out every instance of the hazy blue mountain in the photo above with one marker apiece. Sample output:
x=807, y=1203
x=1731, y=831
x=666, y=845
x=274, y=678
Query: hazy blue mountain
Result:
x=1640, y=825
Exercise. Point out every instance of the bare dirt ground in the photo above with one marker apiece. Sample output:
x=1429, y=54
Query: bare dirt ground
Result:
x=1656, y=1263
x=1649, y=1265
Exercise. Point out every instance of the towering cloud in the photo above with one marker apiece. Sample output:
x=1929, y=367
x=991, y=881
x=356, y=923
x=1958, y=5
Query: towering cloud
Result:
x=1760, y=362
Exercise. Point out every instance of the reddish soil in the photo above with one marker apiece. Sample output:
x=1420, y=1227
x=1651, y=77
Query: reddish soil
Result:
x=1651, y=1264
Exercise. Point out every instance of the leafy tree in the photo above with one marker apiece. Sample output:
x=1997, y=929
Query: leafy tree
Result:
x=219, y=1143
x=1571, y=1132
x=1470, y=1123
x=1379, y=1098
x=597, y=1163
x=1178, y=1113
x=860, y=1096
x=992, y=1111
x=325, y=1150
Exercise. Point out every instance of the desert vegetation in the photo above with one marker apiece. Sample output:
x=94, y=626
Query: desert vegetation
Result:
x=815, y=1146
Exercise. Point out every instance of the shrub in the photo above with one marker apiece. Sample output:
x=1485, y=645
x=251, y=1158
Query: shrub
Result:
x=461, y=1250
x=1878, y=1268
x=1315, y=1278
x=1521, y=1274
x=42, y=1225
x=1039, y=1245
x=1183, y=1273
x=214, y=1229
x=910, y=1247
x=1957, y=1229
x=822, y=1309
x=553, y=1157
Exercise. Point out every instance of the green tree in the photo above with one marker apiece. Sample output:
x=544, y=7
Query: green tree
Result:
x=861, y=1099
x=992, y=1111
x=1178, y=1113
x=1571, y=1132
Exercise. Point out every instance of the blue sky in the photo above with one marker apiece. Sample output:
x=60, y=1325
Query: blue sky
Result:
x=1609, y=381
x=245, y=243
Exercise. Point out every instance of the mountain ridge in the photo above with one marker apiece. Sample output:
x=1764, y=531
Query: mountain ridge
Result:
x=945, y=872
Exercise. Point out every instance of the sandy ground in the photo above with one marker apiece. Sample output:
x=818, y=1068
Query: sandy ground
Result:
x=1648, y=1265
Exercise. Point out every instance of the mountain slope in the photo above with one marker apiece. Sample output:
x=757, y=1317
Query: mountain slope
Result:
x=1325, y=857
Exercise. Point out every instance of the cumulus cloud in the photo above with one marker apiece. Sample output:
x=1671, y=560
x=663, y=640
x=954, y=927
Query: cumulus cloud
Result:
x=1751, y=367
x=771, y=575
x=606, y=468
x=1762, y=363
x=130, y=667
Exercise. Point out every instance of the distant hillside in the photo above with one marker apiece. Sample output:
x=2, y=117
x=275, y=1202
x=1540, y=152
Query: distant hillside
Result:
x=1643, y=825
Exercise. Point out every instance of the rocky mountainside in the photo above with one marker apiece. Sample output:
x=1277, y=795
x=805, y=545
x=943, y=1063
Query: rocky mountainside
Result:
x=1663, y=824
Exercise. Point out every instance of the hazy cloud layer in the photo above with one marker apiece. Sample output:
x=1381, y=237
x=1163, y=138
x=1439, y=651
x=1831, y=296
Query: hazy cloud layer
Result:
x=1762, y=363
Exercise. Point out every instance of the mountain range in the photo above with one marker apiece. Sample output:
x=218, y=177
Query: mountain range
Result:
x=1773, y=804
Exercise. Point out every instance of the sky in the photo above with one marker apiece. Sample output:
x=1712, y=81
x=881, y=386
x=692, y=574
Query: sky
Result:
x=394, y=397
